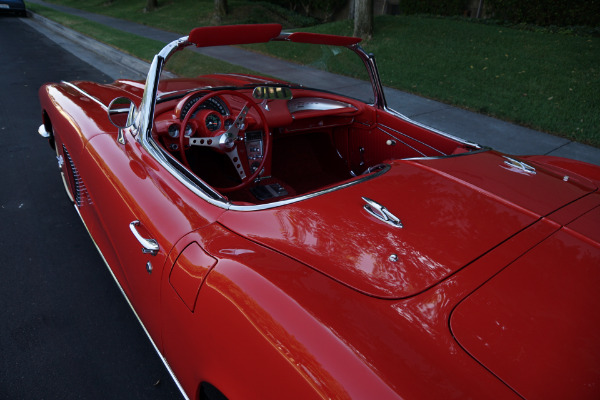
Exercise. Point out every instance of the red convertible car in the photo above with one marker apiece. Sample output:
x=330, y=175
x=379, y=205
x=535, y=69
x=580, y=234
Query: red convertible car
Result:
x=280, y=241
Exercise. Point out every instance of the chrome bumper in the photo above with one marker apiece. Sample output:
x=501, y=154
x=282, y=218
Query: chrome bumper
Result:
x=43, y=132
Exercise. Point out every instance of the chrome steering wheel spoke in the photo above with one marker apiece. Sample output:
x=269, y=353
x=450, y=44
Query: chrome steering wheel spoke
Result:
x=227, y=141
x=237, y=163
x=239, y=122
x=205, y=141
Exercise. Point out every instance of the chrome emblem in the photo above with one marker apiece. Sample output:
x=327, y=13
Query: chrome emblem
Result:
x=381, y=213
x=518, y=166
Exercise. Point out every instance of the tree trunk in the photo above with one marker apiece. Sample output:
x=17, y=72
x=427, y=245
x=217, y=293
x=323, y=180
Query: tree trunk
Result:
x=363, y=18
x=220, y=10
x=151, y=5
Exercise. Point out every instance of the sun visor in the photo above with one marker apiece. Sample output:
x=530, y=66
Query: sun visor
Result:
x=319, y=38
x=234, y=34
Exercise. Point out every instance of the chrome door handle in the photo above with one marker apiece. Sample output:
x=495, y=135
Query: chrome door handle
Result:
x=149, y=246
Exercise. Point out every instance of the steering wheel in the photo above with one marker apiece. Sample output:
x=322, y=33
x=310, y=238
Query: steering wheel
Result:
x=226, y=141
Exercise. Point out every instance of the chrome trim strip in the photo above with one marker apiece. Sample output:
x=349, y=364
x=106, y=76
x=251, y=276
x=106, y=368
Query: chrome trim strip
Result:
x=163, y=359
x=434, y=130
x=311, y=195
x=86, y=94
x=381, y=126
x=315, y=104
x=480, y=150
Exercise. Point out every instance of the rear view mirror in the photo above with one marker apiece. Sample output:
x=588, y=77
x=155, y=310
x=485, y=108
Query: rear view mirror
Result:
x=272, y=93
x=120, y=114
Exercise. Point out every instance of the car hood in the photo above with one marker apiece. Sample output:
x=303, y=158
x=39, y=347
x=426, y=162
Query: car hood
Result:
x=453, y=210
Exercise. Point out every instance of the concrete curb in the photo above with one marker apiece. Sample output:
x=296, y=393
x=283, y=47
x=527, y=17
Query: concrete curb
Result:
x=136, y=68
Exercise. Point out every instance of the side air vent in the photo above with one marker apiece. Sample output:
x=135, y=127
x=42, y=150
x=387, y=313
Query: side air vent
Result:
x=81, y=195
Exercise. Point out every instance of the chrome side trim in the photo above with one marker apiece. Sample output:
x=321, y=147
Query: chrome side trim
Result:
x=82, y=197
x=86, y=94
x=163, y=359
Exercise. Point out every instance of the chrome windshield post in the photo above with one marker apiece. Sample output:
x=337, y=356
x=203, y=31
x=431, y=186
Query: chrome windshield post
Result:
x=145, y=116
x=371, y=65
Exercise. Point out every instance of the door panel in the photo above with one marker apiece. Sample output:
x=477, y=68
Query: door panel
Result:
x=140, y=204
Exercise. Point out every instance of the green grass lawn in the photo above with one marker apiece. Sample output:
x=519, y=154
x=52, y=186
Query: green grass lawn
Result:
x=546, y=81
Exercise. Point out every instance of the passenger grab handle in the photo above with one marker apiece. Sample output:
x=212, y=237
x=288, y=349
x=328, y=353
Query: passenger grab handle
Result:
x=149, y=246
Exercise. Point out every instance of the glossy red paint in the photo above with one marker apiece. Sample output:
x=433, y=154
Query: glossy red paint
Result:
x=188, y=273
x=361, y=259
x=487, y=291
x=546, y=326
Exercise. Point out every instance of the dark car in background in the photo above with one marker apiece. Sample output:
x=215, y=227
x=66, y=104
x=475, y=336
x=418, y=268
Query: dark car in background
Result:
x=13, y=7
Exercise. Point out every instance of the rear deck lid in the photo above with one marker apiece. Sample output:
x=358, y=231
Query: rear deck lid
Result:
x=448, y=222
x=536, y=325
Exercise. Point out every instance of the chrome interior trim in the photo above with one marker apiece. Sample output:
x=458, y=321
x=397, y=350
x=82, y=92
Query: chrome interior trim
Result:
x=86, y=94
x=434, y=130
x=479, y=150
x=381, y=128
x=363, y=178
x=163, y=359
x=315, y=104
x=196, y=186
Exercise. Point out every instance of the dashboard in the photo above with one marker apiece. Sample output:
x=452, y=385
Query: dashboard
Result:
x=218, y=113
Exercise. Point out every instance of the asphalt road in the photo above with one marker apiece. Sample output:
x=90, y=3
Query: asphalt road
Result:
x=66, y=330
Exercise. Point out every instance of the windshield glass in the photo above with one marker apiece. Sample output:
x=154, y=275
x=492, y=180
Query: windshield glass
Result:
x=330, y=68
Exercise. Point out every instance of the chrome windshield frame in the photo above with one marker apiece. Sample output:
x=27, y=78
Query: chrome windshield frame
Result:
x=144, y=118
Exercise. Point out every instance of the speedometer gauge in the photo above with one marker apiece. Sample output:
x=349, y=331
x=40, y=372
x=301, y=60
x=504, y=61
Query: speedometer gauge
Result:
x=213, y=122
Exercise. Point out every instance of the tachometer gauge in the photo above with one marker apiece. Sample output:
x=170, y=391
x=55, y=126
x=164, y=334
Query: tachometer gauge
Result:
x=174, y=131
x=188, y=130
x=213, y=122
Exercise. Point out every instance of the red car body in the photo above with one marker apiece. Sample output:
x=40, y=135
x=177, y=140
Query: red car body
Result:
x=445, y=270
